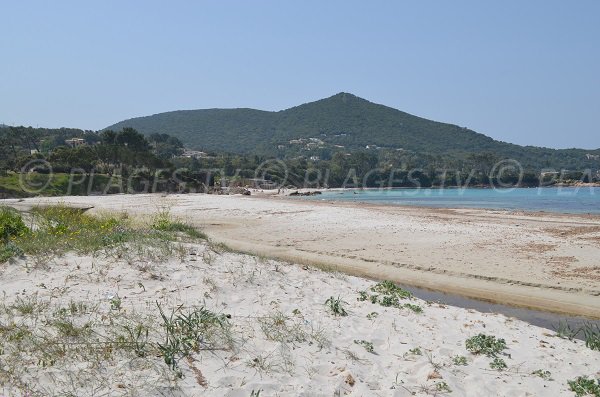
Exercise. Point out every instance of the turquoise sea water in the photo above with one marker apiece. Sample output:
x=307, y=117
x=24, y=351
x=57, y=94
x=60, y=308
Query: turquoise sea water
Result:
x=561, y=199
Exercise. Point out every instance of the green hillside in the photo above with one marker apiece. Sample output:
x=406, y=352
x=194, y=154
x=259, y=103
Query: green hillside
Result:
x=342, y=122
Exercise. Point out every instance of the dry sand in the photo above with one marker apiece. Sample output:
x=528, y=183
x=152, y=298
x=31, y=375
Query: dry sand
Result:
x=538, y=260
x=285, y=340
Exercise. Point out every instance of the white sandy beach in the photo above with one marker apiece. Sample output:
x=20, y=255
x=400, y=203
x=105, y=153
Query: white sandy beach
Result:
x=538, y=260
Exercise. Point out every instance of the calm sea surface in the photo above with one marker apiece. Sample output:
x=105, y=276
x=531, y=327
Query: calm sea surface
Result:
x=580, y=200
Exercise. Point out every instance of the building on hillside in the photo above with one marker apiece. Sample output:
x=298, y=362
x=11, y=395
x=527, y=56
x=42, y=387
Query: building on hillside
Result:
x=75, y=142
x=193, y=154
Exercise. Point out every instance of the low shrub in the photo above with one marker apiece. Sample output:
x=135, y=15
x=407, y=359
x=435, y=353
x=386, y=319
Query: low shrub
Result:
x=485, y=344
x=582, y=386
x=11, y=224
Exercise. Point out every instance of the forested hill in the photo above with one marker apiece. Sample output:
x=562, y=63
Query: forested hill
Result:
x=343, y=122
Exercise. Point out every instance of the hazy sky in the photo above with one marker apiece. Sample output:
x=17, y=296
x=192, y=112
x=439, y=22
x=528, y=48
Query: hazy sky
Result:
x=526, y=72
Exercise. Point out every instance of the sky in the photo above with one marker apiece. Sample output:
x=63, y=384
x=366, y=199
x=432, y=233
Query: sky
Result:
x=526, y=72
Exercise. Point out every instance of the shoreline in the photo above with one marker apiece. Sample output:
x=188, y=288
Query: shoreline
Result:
x=523, y=260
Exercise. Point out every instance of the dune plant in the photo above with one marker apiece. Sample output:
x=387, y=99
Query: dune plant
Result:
x=459, y=360
x=280, y=328
x=335, y=306
x=485, y=344
x=11, y=228
x=591, y=335
x=544, y=374
x=564, y=330
x=498, y=364
x=366, y=344
x=443, y=387
x=164, y=222
x=60, y=229
x=189, y=332
x=583, y=386
x=11, y=224
x=388, y=294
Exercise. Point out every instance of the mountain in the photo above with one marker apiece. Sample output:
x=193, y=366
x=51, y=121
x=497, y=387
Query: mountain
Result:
x=345, y=122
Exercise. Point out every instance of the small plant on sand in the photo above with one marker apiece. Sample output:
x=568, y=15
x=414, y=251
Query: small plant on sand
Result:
x=280, y=328
x=367, y=345
x=387, y=287
x=546, y=375
x=591, y=334
x=415, y=308
x=134, y=338
x=443, y=387
x=335, y=306
x=415, y=351
x=485, y=344
x=68, y=328
x=582, y=386
x=115, y=303
x=262, y=364
x=564, y=330
x=9, y=250
x=372, y=315
x=388, y=294
x=29, y=305
x=459, y=360
x=498, y=364
x=189, y=332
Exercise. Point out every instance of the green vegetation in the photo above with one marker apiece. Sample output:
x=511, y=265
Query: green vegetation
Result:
x=11, y=224
x=366, y=344
x=372, y=315
x=60, y=229
x=280, y=328
x=591, y=334
x=189, y=332
x=485, y=344
x=544, y=374
x=498, y=364
x=39, y=162
x=443, y=387
x=564, y=330
x=388, y=288
x=414, y=308
x=389, y=294
x=12, y=228
x=347, y=121
x=459, y=360
x=415, y=351
x=582, y=386
x=164, y=222
x=335, y=306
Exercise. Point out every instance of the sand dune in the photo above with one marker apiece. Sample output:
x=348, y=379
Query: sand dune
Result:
x=284, y=339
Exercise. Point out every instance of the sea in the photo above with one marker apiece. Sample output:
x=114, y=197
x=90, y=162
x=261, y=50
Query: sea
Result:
x=576, y=200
